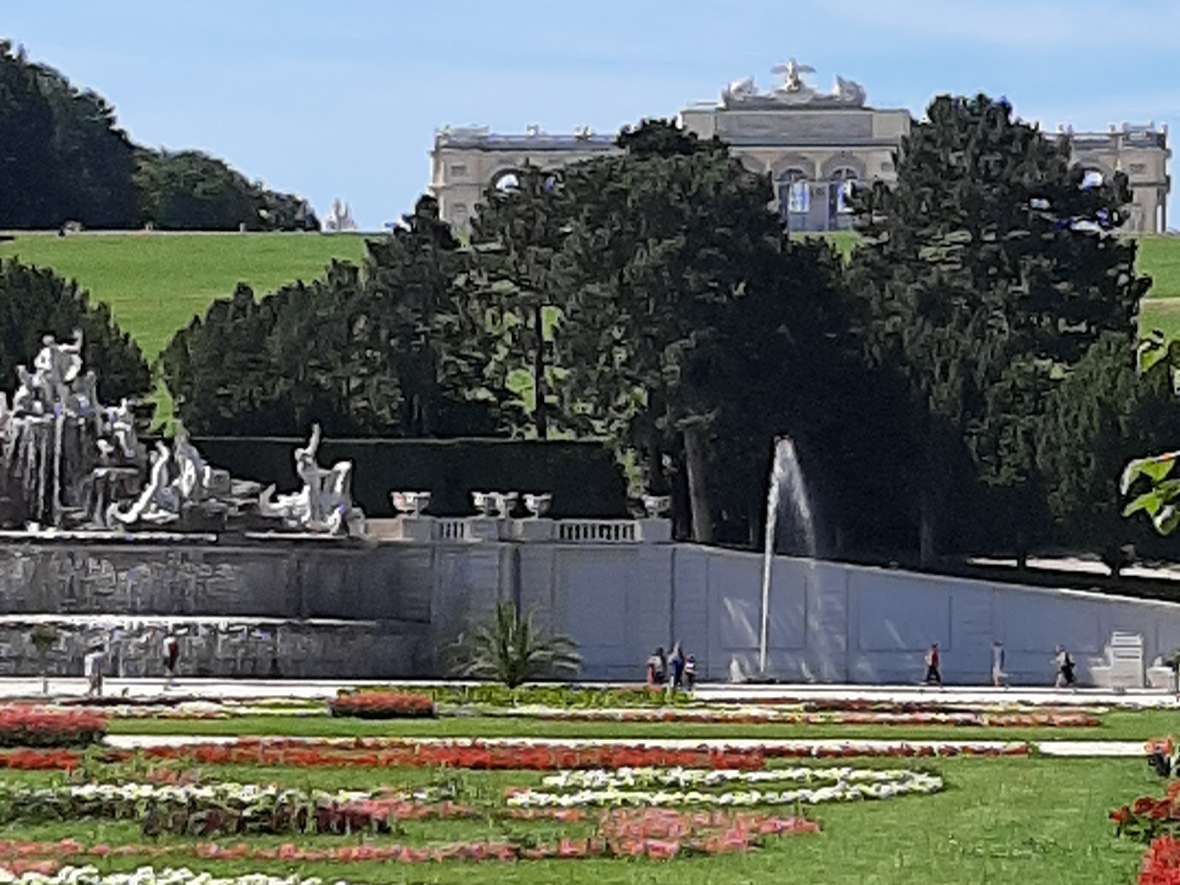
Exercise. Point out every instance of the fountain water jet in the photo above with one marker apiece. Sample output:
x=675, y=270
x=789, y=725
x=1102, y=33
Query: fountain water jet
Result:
x=785, y=475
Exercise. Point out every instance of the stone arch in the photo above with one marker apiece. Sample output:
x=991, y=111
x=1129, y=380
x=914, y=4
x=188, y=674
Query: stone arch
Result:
x=844, y=161
x=788, y=162
x=503, y=176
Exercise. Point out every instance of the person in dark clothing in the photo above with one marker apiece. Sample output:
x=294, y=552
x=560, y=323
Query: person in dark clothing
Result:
x=1065, y=668
x=933, y=666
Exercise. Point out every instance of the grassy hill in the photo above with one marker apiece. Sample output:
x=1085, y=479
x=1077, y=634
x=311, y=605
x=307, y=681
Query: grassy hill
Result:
x=156, y=283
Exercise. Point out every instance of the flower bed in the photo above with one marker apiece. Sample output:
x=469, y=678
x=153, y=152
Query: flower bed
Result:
x=504, y=755
x=383, y=705
x=663, y=787
x=755, y=715
x=147, y=876
x=661, y=834
x=1161, y=863
x=227, y=808
x=23, y=726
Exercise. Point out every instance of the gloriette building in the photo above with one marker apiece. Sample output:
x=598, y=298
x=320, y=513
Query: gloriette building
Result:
x=811, y=143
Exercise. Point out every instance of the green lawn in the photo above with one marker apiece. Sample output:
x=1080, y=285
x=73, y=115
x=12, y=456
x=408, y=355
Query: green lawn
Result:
x=1036, y=822
x=1116, y=726
x=156, y=283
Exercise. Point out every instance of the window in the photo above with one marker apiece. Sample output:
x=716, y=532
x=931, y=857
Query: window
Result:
x=793, y=185
x=843, y=179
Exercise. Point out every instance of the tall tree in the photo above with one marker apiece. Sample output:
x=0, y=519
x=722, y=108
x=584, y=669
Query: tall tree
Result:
x=661, y=245
x=987, y=265
x=429, y=324
x=516, y=236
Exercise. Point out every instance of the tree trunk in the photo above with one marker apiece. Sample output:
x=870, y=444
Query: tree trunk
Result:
x=927, y=526
x=698, y=492
x=540, y=416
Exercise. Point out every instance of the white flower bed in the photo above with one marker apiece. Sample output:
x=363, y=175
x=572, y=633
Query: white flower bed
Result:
x=149, y=876
x=600, y=778
x=226, y=793
x=625, y=787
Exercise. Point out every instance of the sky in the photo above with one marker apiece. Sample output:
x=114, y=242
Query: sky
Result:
x=342, y=99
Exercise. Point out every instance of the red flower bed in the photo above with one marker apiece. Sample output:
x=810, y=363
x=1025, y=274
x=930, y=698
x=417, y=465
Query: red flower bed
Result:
x=383, y=705
x=25, y=726
x=391, y=753
x=1148, y=817
x=1161, y=863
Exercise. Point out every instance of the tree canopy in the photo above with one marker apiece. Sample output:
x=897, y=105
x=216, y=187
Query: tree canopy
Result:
x=64, y=158
x=35, y=302
x=985, y=274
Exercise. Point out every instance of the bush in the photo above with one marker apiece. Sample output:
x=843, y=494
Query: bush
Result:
x=40, y=727
x=383, y=705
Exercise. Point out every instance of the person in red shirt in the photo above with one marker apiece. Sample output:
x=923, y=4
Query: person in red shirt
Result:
x=933, y=673
x=171, y=655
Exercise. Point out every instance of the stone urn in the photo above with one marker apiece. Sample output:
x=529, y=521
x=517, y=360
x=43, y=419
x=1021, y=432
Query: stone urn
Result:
x=484, y=502
x=538, y=504
x=410, y=503
x=656, y=505
x=505, y=503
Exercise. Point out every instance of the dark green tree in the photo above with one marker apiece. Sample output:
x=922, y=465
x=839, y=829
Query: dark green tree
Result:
x=987, y=265
x=516, y=236
x=660, y=247
x=1100, y=417
x=35, y=302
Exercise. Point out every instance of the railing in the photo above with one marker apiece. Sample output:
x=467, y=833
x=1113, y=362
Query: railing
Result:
x=452, y=529
x=597, y=531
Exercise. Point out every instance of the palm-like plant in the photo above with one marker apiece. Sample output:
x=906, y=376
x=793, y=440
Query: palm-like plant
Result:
x=512, y=649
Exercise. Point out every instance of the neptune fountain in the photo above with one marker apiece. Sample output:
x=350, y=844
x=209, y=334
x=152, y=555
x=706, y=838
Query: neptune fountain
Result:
x=71, y=463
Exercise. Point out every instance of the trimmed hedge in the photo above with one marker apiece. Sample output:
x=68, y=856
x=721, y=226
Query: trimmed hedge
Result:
x=583, y=477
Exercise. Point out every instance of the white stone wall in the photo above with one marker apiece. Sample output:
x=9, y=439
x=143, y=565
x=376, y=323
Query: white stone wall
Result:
x=829, y=622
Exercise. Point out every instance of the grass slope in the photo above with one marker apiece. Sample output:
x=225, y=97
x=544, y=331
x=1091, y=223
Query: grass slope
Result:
x=156, y=283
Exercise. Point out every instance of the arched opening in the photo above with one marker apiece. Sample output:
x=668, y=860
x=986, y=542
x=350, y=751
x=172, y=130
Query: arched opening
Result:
x=843, y=181
x=794, y=196
x=506, y=181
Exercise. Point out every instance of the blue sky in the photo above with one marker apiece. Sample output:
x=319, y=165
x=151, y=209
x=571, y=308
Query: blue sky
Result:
x=342, y=98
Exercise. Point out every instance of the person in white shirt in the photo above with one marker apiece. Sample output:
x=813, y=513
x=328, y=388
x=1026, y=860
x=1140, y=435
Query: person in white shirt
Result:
x=92, y=666
x=998, y=673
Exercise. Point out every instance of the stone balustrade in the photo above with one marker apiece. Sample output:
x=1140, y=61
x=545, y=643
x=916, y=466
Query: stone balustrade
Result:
x=495, y=521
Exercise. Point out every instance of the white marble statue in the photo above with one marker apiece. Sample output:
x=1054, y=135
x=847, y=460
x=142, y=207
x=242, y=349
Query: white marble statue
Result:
x=58, y=366
x=158, y=503
x=740, y=90
x=122, y=429
x=28, y=399
x=793, y=84
x=324, y=503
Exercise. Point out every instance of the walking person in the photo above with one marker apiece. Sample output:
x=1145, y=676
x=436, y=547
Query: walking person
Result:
x=1066, y=677
x=933, y=666
x=171, y=656
x=675, y=668
x=690, y=673
x=92, y=666
x=654, y=676
x=998, y=674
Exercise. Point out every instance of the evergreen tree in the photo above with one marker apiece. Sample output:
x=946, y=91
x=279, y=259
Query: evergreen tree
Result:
x=35, y=302
x=985, y=274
